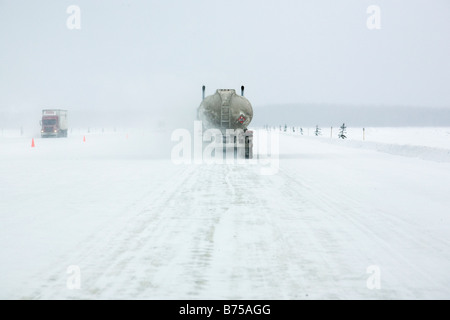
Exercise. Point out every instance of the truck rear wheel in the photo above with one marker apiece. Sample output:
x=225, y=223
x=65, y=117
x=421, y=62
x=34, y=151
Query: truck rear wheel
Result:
x=249, y=145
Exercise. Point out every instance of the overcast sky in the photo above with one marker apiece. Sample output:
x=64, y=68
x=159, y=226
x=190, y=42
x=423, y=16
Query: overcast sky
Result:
x=156, y=55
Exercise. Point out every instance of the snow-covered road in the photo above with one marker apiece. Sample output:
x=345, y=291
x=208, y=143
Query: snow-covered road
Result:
x=138, y=226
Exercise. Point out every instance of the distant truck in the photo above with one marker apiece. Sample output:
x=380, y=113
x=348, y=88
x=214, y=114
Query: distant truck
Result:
x=54, y=123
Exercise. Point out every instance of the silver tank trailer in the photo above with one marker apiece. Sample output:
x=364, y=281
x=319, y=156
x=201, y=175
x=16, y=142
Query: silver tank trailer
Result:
x=225, y=110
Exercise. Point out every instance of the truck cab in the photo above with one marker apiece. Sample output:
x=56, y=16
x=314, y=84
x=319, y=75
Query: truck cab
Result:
x=54, y=123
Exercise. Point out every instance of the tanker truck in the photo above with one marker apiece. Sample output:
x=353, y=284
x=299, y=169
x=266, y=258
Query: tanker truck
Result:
x=231, y=114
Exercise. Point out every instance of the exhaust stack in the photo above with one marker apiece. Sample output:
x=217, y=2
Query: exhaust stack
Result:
x=242, y=90
x=203, y=92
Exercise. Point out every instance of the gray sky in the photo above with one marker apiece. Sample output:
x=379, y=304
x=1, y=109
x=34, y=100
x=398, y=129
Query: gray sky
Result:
x=152, y=56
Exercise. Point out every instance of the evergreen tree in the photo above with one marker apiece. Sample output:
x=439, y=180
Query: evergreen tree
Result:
x=318, y=131
x=343, y=132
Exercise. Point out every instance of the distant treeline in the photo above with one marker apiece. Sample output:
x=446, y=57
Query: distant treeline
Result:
x=354, y=116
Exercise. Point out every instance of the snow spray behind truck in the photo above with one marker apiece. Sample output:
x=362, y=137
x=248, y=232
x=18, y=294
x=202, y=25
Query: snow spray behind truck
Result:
x=54, y=123
x=231, y=114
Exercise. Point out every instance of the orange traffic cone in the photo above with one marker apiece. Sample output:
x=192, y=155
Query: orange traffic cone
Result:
x=84, y=138
x=32, y=143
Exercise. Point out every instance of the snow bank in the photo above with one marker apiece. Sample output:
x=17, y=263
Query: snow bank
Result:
x=432, y=144
x=422, y=152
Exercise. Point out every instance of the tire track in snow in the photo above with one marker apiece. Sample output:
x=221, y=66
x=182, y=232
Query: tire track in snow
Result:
x=218, y=231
